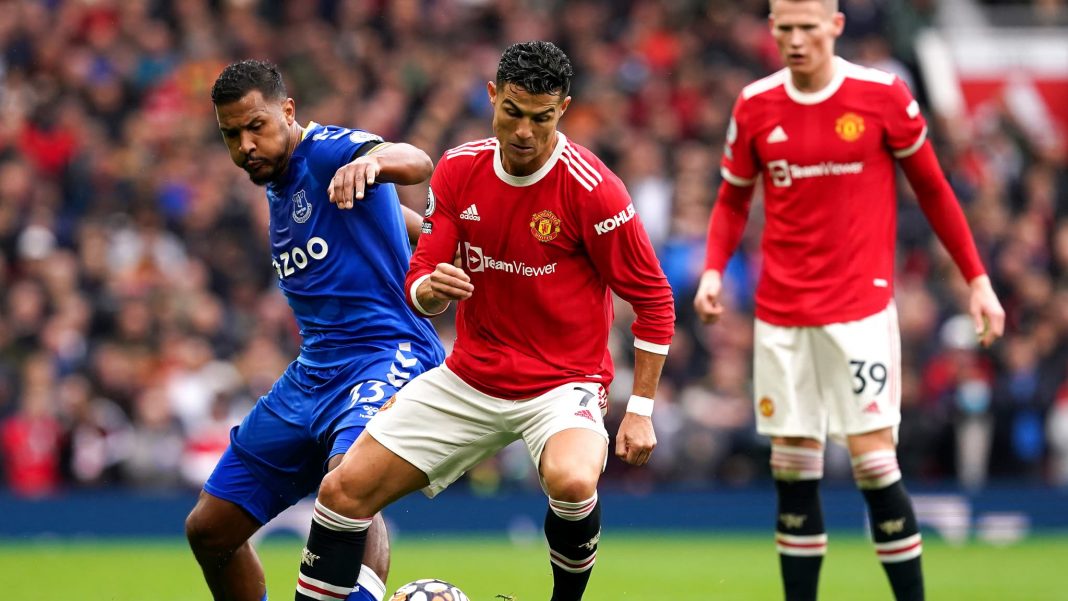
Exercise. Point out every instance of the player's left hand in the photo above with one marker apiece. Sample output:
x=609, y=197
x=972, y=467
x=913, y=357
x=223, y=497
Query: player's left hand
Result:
x=986, y=311
x=635, y=439
x=352, y=181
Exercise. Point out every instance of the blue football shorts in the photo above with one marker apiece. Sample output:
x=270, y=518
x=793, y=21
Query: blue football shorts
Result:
x=279, y=452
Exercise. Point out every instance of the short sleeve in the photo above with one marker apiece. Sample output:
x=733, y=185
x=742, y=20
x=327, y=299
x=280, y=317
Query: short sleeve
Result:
x=335, y=146
x=739, y=165
x=906, y=129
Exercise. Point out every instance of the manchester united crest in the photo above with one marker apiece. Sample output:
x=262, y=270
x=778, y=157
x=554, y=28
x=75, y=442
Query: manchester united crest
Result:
x=849, y=127
x=545, y=226
x=766, y=406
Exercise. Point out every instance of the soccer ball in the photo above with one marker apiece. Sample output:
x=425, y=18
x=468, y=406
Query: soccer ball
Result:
x=429, y=589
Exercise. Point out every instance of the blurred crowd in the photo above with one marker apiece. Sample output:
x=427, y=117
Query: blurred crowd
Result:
x=139, y=313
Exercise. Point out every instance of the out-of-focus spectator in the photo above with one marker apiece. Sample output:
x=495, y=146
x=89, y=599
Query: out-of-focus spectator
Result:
x=133, y=260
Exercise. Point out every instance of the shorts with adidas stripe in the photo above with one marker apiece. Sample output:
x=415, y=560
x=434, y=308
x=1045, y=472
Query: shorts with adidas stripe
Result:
x=444, y=427
x=839, y=379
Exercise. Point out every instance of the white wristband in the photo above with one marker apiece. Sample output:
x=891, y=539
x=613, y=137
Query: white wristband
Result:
x=640, y=405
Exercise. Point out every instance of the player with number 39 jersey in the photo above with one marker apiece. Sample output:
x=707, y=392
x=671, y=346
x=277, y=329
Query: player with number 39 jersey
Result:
x=824, y=137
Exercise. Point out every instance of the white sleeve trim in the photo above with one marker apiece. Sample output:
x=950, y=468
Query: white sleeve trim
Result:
x=904, y=153
x=658, y=349
x=415, y=299
x=741, y=182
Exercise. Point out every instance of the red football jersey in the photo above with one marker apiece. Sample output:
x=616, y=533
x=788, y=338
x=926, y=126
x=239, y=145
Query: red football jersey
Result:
x=830, y=202
x=543, y=252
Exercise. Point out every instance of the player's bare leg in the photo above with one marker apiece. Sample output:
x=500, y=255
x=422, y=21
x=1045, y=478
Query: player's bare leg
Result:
x=571, y=465
x=893, y=521
x=800, y=536
x=218, y=533
x=376, y=556
x=369, y=478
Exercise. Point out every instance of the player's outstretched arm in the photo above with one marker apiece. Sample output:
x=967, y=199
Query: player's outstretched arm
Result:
x=398, y=163
x=636, y=439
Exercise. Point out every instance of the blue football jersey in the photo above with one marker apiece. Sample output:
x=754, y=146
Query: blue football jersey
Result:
x=342, y=271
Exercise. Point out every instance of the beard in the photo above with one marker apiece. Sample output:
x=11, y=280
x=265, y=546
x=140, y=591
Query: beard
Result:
x=264, y=175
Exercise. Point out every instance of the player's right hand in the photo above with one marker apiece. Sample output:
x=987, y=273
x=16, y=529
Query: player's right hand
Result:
x=448, y=283
x=706, y=302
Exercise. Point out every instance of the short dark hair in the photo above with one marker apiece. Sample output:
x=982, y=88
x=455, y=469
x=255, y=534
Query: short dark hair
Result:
x=242, y=77
x=537, y=67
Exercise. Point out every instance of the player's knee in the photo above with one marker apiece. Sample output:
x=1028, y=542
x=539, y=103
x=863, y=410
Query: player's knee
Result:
x=793, y=463
x=338, y=494
x=571, y=487
x=206, y=536
x=876, y=469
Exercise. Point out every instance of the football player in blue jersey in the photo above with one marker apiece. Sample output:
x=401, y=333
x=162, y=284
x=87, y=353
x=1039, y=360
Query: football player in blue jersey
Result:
x=343, y=275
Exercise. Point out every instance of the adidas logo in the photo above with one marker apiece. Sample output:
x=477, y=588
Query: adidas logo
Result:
x=470, y=213
x=777, y=135
x=872, y=407
x=586, y=413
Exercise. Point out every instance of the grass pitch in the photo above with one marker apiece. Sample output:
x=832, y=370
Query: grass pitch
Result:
x=629, y=567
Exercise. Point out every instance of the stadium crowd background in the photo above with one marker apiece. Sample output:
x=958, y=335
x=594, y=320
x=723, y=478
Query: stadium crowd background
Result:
x=139, y=314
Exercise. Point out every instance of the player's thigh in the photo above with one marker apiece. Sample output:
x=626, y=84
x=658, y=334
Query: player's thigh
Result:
x=787, y=397
x=564, y=433
x=273, y=450
x=860, y=368
x=233, y=505
x=442, y=426
x=369, y=477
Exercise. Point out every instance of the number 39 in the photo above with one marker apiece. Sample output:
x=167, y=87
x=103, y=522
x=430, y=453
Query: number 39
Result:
x=876, y=372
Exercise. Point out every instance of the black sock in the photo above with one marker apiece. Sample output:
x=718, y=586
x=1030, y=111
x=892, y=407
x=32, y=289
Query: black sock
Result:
x=572, y=545
x=800, y=537
x=335, y=546
x=897, y=539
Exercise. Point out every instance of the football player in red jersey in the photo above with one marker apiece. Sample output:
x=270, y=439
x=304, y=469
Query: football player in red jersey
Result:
x=546, y=233
x=823, y=136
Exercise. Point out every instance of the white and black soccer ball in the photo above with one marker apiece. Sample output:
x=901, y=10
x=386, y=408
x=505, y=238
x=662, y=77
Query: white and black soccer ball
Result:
x=429, y=589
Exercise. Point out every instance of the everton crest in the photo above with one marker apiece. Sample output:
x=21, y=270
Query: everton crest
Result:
x=302, y=209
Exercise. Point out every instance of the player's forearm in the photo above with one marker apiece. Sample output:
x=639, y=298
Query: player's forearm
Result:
x=647, y=368
x=426, y=300
x=402, y=164
x=942, y=210
x=727, y=224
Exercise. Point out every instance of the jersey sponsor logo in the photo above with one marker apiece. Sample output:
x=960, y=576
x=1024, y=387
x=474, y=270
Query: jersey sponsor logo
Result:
x=470, y=213
x=431, y=204
x=297, y=258
x=545, y=226
x=783, y=174
x=849, y=127
x=616, y=220
x=477, y=261
x=302, y=209
x=766, y=406
x=777, y=135
x=427, y=227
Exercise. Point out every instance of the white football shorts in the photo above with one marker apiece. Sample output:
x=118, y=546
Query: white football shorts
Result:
x=444, y=427
x=834, y=380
